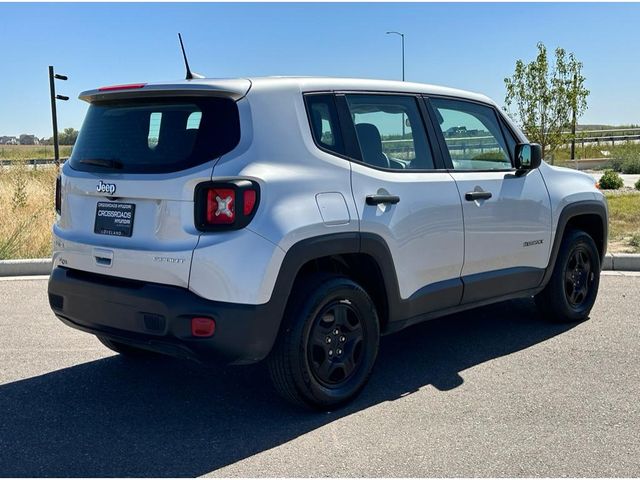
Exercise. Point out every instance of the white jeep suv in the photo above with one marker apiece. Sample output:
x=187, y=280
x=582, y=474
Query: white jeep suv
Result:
x=298, y=219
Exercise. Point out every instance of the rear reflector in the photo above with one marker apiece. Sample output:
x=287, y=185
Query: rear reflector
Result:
x=202, y=327
x=121, y=87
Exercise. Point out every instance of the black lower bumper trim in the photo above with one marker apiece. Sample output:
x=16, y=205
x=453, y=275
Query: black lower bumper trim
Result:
x=158, y=317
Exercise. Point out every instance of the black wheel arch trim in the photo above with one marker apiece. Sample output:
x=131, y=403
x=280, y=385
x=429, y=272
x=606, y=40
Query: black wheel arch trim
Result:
x=570, y=211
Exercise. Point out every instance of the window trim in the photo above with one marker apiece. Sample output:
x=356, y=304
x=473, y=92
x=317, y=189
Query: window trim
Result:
x=440, y=135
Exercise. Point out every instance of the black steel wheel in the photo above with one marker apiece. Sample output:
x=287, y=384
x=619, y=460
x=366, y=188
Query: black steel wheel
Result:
x=335, y=343
x=327, y=344
x=578, y=276
x=573, y=286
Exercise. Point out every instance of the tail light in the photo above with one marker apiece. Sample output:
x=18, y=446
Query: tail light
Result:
x=58, y=195
x=225, y=205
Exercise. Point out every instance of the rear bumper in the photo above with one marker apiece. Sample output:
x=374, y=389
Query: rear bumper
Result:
x=158, y=317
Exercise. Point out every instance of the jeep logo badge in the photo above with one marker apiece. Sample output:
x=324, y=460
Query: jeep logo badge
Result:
x=109, y=188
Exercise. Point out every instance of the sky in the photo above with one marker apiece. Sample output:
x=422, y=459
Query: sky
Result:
x=469, y=46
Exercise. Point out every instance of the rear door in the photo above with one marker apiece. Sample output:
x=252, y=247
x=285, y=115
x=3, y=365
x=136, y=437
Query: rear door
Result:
x=128, y=188
x=507, y=216
x=404, y=196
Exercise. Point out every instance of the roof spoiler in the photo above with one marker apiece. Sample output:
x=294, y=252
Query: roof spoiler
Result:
x=231, y=88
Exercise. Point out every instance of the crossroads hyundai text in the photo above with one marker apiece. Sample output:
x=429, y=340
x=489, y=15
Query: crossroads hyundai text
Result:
x=296, y=220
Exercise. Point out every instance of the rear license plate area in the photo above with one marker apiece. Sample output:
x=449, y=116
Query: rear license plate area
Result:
x=114, y=218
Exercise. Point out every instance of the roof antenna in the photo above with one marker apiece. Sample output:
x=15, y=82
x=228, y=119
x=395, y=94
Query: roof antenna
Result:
x=190, y=75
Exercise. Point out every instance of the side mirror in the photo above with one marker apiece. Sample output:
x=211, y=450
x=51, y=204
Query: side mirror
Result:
x=528, y=156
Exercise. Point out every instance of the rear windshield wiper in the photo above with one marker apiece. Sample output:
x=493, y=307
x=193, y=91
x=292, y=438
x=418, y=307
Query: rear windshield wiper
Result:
x=102, y=162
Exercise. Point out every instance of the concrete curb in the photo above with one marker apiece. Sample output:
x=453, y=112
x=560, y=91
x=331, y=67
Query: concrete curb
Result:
x=14, y=268
x=627, y=262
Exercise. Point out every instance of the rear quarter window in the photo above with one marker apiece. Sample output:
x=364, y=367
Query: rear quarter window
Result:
x=155, y=135
x=323, y=120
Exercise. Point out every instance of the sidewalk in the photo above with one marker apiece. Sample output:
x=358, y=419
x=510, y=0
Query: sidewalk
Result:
x=629, y=262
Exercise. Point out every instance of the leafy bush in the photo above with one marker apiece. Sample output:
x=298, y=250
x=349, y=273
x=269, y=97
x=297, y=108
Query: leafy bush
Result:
x=610, y=180
x=632, y=165
x=616, y=164
x=626, y=158
x=638, y=185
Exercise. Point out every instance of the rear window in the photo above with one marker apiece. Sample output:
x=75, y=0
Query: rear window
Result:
x=155, y=135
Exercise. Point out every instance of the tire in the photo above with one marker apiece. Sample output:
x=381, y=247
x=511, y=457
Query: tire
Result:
x=573, y=287
x=124, y=349
x=327, y=345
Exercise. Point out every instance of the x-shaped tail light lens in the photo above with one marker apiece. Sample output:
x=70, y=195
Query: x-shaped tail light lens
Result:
x=221, y=206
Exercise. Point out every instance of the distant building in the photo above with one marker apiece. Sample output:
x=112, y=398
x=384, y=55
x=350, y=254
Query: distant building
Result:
x=29, y=140
x=8, y=140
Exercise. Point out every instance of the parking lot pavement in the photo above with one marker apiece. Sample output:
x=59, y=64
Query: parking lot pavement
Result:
x=496, y=392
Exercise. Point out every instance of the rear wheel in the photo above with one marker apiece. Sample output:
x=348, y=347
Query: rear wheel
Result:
x=124, y=349
x=573, y=287
x=328, y=344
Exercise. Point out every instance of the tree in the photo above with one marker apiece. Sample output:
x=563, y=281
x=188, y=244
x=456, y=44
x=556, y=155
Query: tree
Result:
x=68, y=136
x=546, y=97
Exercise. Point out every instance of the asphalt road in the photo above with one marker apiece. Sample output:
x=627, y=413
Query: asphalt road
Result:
x=497, y=392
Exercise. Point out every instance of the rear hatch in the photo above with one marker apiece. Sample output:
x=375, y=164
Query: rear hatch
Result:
x=128, y=189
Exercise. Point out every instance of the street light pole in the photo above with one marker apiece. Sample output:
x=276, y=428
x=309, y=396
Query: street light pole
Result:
x=402, y=36
x=54, y=114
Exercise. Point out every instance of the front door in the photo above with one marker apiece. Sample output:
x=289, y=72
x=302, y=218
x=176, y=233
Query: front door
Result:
x=507, y=216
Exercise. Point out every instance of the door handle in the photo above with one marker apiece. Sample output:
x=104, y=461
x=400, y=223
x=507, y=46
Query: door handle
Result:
x=471, y=196
x=378, y=199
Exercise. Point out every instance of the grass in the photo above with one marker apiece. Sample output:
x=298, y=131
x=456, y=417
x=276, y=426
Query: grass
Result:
x=31, y=152
x=616, y=153
x=27, y=211
x=624, y=222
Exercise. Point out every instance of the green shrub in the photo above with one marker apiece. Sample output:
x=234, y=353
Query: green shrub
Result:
x=610, y=180
x=631, y=165
x=638, y=185
x=626, y=158
x=616, y=164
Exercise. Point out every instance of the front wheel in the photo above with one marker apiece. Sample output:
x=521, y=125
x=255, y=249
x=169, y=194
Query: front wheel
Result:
x=328, y=344
x=573, y=287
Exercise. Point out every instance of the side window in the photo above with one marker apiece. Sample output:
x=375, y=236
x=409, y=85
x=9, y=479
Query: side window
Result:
x=323, y=119
x=390, y=131
x=473, y=135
